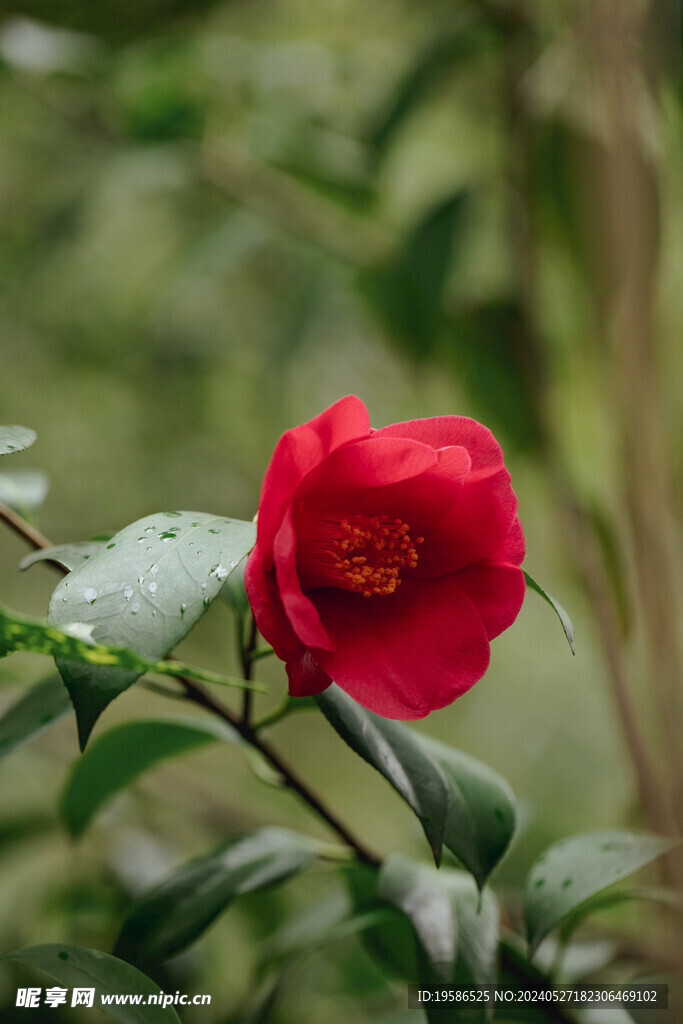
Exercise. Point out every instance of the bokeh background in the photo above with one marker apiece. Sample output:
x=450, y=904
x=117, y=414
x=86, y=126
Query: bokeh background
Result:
x=218, y=217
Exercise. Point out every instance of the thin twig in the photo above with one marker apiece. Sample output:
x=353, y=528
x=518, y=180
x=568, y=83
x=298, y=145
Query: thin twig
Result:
x=35, y=538
x=201, y=696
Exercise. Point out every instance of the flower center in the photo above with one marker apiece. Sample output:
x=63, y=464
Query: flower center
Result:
x=361, y=553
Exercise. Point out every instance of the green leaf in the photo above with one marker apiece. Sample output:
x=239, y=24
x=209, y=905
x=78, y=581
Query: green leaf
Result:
x=118, y=21
x=397, y=754
x=19, y=633
x=146, y=589
x=330, y=919
x=391, y=945
x=478, y=932
x=121, y=755
x=481, y=813
x=556, y=606
x=15, y=439
x=178, y=910
x=488, y=347
x=575, y=869
x=71, y=556
x=24, y=490
x=42, y=705
x=24, y=827
x=608, y=898
x=418, y=891
x=449, y=48
x=462, y=955
x=76, y=967
x=407, y=291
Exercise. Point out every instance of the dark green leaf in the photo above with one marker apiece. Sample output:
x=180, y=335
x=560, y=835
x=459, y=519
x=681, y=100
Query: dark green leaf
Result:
x=397, y=753
x=449, y=47
x=478, y=926
x=121, y=755
x=391, y=944
x=15, y=439
x=481, y=813
x=176, y=912
x=608, y=898
x=24, y=490
x=462, y=954
x=492, y=352
x=327, y=920
x=71, y=556
x=408, y=290
x=418, y=891
x=76, y=967
x=573, y=870
x=42, y=705
x=556, y=606
x=117, y=21
x=145, y=589
x=20, y=828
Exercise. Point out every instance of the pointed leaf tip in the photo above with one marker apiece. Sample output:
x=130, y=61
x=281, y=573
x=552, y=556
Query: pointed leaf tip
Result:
x=562, y=615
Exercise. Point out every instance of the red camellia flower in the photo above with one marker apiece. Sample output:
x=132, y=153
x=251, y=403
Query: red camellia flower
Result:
x=386, y=560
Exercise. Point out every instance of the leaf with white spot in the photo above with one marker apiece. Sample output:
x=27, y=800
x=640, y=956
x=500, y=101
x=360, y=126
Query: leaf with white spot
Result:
x=71, y=556
x=144, y=590
x=574, y=870
x=15, y=439
x=74, y=643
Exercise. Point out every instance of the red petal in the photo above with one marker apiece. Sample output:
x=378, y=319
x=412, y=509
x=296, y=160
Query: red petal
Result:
x=405, y=654
x=513, y=548
x=496, y=591
x=477, y=526
x=306, y=677
x=300, y=611
x=441, y=431
x=365, y=465
x=298, y=452
x=267, y=609
x=420, y=501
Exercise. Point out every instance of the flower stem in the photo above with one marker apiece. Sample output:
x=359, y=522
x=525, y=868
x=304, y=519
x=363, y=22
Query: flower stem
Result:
x=247, y=668
x=199, y=695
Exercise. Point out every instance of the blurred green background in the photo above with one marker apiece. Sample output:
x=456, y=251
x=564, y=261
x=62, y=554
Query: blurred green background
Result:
x=216, y=218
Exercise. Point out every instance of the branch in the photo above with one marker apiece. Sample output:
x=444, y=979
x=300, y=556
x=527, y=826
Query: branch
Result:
x=201, y=696
x=27, y=532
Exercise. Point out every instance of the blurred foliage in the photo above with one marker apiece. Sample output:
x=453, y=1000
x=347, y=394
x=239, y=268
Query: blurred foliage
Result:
x=217, y=217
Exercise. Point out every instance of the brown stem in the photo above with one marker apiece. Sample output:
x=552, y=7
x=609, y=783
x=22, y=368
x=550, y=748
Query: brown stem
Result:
x=202, y=697
x=24, y=529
